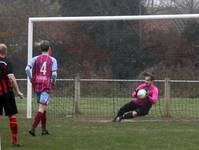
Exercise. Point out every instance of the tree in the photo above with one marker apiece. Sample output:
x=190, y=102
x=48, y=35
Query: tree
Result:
x=14, y=18
x=172, y=6
x=119, y=41
x=99, y=8
x=187, y=6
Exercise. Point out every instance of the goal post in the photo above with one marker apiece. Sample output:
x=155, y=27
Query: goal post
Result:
x=32, y=20
x=29, y=86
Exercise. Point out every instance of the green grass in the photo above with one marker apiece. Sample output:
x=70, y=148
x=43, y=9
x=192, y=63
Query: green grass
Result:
x=67, y=134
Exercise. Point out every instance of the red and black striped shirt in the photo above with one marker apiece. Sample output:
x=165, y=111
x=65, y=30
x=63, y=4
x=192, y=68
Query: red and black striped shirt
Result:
x=5, y=70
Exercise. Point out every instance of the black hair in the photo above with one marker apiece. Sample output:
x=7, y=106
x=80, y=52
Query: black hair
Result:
x=147, y=74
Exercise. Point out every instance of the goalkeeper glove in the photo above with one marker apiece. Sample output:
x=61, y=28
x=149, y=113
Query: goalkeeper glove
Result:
x=136, y=91
x=148, y=94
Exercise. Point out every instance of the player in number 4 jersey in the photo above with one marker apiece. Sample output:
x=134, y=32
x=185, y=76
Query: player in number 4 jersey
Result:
x=42, y=72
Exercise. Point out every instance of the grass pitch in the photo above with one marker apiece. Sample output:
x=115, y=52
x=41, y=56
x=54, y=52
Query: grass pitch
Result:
x=73, y=135
x=67, y=134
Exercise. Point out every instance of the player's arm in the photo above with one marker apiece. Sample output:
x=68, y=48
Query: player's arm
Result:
x=54, y=77
x=15, y=85
x=13, y=81
x=134, y=93
x=29, y=68
x=28, y=72
x=54, y=71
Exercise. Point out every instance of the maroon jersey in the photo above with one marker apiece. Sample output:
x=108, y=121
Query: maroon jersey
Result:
x=42, y=72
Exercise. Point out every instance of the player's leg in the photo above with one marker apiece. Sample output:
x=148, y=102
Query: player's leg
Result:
x=44, y=100
x=139, y=111
x=14, y=130
x=37, y=117
x=10, y=111
x=131, y=114
x=124, y=109
x=1, y=107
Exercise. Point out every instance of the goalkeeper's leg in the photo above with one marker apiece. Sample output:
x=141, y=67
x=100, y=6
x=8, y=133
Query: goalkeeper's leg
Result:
x=130, y=115
x=124, y=109
x=139, y=111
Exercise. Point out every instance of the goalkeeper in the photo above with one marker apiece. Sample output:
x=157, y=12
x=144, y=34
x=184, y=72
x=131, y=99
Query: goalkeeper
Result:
x=139, y=107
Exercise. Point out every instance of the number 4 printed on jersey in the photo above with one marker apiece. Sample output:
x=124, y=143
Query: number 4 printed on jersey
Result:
x=43, y=68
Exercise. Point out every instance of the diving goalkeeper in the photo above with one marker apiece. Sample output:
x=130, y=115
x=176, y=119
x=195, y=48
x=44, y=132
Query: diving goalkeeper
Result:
x=139, y=107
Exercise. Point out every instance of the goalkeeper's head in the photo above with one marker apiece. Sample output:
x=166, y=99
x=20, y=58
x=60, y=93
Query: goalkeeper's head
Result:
x=149, y=78
x=45, y=45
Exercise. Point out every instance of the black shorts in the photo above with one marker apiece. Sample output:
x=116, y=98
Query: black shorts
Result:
x=142, y=111
x=7, y=102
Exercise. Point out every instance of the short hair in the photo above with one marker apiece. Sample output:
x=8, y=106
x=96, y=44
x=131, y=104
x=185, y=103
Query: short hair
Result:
x=147, y=74
x=44, y=44
x=3, y=49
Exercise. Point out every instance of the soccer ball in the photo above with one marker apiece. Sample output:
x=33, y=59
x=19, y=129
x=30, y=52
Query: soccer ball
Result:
x=141, y=94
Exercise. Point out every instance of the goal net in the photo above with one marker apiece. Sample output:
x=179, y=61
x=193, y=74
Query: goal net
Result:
x=101, y=59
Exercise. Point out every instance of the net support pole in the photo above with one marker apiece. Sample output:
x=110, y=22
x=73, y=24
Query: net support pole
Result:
x=77, y=96
x=29, y=86
x=167, y=97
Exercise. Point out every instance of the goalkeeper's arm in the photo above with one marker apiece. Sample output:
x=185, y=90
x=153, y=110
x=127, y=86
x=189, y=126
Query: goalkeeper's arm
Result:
x=134, y=93
x=153, y=95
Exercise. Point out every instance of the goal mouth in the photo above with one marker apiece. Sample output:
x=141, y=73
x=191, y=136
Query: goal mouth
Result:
x=117, y=47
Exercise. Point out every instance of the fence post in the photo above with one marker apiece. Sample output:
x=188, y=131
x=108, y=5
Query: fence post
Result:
x=77, y=96
x=167, y=97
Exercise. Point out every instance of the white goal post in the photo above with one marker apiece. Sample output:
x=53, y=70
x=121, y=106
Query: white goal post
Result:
x=32, y=20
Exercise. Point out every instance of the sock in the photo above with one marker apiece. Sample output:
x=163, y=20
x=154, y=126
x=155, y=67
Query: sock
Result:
x=36, y=120
x=43, y=121
x=14, y=129
x=127, y=115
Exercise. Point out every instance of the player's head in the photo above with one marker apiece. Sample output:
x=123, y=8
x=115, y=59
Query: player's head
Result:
x=3, y=50
x=45, y=45
x=148, y=78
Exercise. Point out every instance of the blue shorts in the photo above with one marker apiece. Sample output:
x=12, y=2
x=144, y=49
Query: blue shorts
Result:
x=42, y=98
